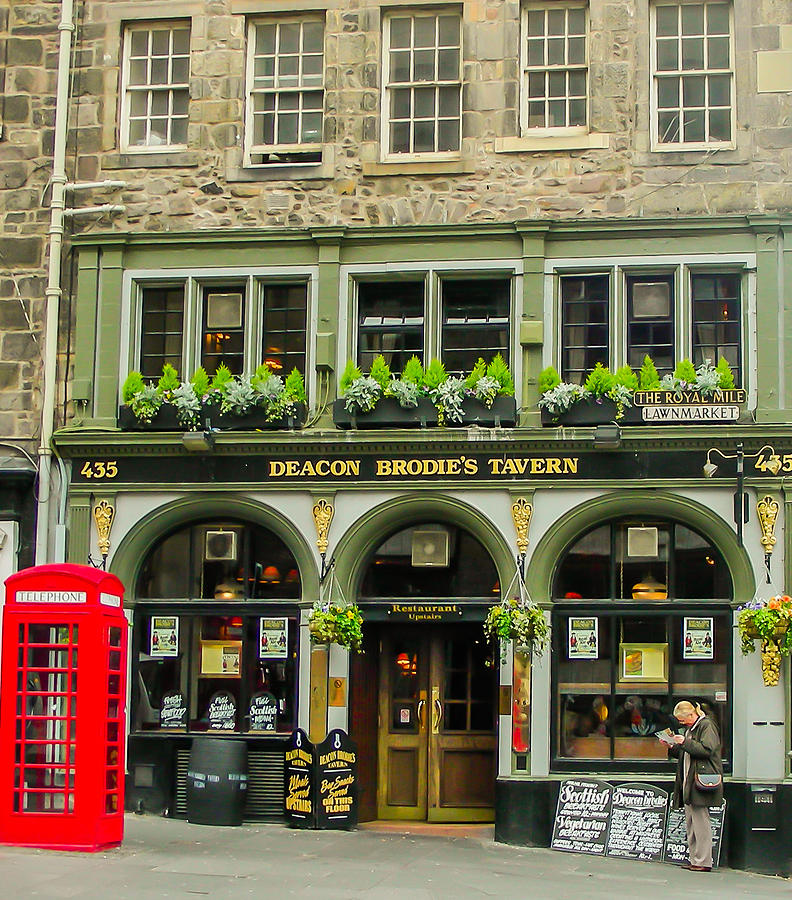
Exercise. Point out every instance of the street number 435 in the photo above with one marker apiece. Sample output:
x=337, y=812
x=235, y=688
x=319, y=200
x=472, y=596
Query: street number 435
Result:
x=100, y=469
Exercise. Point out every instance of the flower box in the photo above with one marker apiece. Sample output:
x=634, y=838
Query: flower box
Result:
x=502, y=413
x=584, y=413
x=166, y=419
x=388, y=413
x=253, y=420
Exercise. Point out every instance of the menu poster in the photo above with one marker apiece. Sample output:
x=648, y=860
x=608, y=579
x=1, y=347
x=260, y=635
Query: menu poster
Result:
x=582, y=815
x=231, y=659
x=273, y=638
x=173, y=710
x=299, y=780
x=676, y=846
x=164, y=636
x=584, y=638
x=698, y=638
x=222, y=712
x=263, y=712
x=336, y=781
x=638, y=819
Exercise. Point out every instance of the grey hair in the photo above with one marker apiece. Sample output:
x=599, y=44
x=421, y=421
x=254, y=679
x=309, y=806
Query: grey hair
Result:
x=685, y=707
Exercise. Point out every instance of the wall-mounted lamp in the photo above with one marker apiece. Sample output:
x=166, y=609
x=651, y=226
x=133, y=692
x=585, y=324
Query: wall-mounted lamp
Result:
x=607, y=436
x=771, y=464
x=199, y=441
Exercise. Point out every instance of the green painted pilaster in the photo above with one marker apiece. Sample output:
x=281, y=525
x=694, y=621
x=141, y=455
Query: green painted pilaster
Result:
x=108, y=331
x=530, y=320
x=327, y=310
x=85, y=335
x=769, y=349
x=79, y=529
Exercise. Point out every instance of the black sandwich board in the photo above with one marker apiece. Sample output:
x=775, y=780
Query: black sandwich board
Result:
x=582, y=816
x=336, y=781
x=638, y=822
x=676, y=846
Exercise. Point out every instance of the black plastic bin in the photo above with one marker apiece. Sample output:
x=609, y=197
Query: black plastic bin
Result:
x=217, y=781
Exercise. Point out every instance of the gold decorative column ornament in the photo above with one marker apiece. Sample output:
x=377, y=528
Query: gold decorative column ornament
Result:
x=522, y=511
x=767, y=510
x=323, y=516
x=103, y=514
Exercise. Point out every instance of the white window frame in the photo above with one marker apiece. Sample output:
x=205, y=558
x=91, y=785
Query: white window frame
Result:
x=128, y=89
x=252, y=149
x=527, y=130
x=743, y=264
x=195, y=281
x=665, y=146
x=387, y=154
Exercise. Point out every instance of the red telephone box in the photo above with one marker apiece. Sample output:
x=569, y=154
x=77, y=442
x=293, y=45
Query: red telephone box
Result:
x=62, y=709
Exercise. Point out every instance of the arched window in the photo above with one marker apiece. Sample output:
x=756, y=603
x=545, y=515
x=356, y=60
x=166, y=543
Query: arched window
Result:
x=430, y=560
x=216, y=631
x=641, y=620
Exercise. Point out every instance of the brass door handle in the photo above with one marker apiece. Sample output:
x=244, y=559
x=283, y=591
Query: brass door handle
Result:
x=438, y=715
x=421, y=704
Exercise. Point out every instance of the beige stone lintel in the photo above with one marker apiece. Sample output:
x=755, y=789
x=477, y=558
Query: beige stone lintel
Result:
x=552, y=142
x=440, y=167
x=785, y=36
x=154, y=9
x=773, y=71
x=260, y=7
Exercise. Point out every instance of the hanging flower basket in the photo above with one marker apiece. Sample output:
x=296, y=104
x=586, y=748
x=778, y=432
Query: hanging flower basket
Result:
x=519, y=620
x=336, y=623
x=767, y=621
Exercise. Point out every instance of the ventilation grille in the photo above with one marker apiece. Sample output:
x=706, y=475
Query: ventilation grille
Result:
x=265, y=784
x=430, y=548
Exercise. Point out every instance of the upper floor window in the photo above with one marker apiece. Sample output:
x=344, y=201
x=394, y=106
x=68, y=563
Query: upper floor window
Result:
x=285, y=99
x=647, y=313
x=396, y=319
x=692, y=62
x=422, y=83
x=156, y=74
x=555, y=69
x=241, y=325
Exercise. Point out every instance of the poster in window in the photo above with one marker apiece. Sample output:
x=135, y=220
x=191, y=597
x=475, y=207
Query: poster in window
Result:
x=698, y=638
x=164, y=636
x=584, y=638
x=643, y=662
x=273, y=638
x=231, y=659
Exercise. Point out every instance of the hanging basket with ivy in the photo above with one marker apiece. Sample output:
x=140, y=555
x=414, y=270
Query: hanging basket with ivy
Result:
x=517, y=619
x=767, y=621
x=336, y=622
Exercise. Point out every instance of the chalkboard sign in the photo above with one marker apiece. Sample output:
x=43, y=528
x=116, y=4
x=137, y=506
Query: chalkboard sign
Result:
x=173, y=710
x=263, y=712
x=638, y=820
x=222, y=712
x=299, y=781
x=582, y=816
x=336, y=781
x=676, y=846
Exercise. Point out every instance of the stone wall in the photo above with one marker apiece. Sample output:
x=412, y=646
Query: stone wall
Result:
x=28, y=61
x=209, y=186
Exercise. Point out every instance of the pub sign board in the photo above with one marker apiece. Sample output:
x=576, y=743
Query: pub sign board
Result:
x=173, y=710
x=676, y=845
x=299, y=781
x=637, y=822
x=336, y=781
x=222, y=711
x=582, y=817
x=263, y=712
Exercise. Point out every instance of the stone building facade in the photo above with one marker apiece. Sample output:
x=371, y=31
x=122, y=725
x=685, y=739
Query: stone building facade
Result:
x=372, y=168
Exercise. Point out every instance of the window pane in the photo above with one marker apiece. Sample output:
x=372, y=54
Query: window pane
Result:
x=693, y=53
x=667, y=20
x=390, y=321
x=667, y=55
x=584, y=309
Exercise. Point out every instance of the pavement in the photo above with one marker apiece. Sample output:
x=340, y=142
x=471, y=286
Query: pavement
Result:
x=167, y=858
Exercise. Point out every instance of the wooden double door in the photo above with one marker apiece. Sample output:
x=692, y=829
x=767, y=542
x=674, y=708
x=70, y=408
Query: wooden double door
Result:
x=437, y=743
